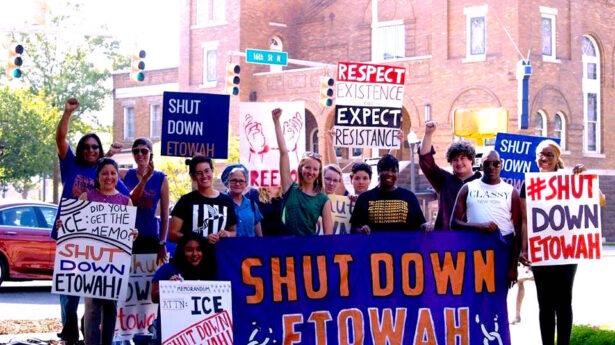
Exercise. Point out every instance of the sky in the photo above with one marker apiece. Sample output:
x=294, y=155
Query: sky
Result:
x=150, y=25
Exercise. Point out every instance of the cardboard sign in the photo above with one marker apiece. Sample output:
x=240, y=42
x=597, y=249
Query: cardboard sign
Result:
x=195, y=123
x=518, y=155
x=196, y=312
x=341, y=207
x=135, y=310
x=93, y=250
x=368, y=105
x=563, y=218
x=385, y=288
x=258, y=148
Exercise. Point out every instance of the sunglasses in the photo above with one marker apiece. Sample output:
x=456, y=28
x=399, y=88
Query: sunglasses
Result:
x=495, y=164
x=314, y=155
x=136, y=151
x=94, y=147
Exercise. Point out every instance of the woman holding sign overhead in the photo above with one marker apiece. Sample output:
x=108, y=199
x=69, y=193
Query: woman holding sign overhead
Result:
x=305, y=202
x=554, y=282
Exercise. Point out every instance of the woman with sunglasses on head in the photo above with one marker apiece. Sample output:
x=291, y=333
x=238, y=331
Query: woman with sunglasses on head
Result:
x=78, y=173
x=204, y=211
x=148, y=187
x=303, y=202
x=553, y=283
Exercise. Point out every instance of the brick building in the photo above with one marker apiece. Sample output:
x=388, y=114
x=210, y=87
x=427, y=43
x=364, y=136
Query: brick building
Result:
x=458, y=54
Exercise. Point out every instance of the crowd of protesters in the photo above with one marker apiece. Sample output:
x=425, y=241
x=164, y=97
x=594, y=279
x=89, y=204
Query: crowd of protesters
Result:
x=204, y=216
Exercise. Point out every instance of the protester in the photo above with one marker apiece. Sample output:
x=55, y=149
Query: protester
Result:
x=148, y=187
x=270, y=205
x=100, y=314
x=333, y=179
x=553, y=282
x=524, y=274
x=303, y=203
x=248, y=215
x=461, y=157
x=387, y=207
x=192, y=261
x=78, y=173
x=205, y=210
x=360, y=177
x=490, y=204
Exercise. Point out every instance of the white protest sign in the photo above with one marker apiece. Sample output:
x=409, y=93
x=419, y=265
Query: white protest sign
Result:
x=563, y=218
x=196, y=312
x=368, y=105
x=93, y=250
x=135, y=310
x=258, y=147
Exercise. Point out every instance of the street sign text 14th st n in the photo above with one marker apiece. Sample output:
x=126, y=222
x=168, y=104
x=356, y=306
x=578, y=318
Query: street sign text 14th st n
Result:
x=266, y=57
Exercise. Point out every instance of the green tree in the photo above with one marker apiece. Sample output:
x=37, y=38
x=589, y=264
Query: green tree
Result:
x=177, y=174
x=26, y=135
x=60, y=64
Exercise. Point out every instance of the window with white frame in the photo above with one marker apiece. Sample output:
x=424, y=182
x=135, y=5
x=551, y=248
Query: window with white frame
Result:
x=548, y=33
x=591, y=95
x=155, y=121
x=559, y=129
x=540, y=124
x=210, y=12
x=356, y=152
x=210, y=64
x=129, y=122
x=389, y=40
x=314, y=146
x=476, y=33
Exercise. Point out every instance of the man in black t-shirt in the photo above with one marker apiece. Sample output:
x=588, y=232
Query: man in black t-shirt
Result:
x=387, y=207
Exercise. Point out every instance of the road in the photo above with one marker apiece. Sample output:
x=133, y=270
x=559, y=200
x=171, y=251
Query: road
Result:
x=593, y=301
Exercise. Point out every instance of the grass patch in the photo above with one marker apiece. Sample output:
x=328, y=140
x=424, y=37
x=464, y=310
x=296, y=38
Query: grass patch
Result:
x=587, y=335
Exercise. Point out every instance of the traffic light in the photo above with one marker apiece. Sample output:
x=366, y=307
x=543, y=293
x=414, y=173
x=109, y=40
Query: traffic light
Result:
x=15, y=60
x=137, y=67
x=326, y=91
x=232, y=78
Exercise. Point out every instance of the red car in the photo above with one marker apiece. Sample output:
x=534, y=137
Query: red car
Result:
x=26, y=250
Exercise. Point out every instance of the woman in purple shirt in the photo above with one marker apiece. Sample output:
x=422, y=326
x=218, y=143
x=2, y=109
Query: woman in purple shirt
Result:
x=148, y=187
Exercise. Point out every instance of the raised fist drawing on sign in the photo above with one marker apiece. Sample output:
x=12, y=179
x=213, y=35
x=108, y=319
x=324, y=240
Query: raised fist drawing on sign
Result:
x=256, y=137
x=291, y=129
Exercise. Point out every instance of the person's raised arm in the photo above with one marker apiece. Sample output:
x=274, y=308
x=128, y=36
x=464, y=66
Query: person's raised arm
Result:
x=430, y=128
x=62, y=131
x=285, y=178
x=331, y=157
x=459, y=218
x=137, y=192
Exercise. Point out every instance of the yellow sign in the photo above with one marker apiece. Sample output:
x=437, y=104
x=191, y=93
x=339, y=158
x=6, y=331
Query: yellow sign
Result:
x=480, y=123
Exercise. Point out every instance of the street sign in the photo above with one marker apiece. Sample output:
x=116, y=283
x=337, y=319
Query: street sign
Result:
x=266, y=57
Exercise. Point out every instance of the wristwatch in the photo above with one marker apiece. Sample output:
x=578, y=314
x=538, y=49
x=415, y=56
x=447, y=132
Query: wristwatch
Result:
x=162, y=242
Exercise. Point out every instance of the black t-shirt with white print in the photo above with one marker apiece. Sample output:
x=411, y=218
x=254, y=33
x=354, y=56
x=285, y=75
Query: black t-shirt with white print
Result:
x=204, y=215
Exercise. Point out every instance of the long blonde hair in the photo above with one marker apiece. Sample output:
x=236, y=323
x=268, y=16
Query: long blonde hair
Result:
x=555, y=147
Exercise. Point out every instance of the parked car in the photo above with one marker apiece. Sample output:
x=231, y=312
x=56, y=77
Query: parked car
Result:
x=26, y=250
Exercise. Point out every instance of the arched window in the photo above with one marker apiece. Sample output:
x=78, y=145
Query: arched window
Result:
x=559, y=129
x=540, y=124
x=591, y=95
x=314, y=147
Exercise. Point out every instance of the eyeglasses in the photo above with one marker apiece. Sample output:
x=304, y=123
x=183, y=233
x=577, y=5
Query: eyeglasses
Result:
x=235, y=181
x=495, y=164
x=314, y=155
x=136, y=151
x=331, y=180
x=202, y=173
x=93, y=147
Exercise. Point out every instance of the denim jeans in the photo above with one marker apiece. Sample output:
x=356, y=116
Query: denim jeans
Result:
x=70, y=325
x=99, y=311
